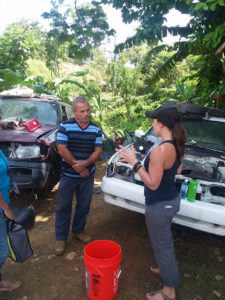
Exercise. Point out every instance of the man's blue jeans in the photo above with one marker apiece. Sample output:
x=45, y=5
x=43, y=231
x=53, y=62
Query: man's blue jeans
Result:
x=83, y=188
x=4, y=248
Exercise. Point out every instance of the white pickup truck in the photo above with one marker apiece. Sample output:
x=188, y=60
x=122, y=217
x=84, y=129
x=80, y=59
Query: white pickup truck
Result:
x=204, y=161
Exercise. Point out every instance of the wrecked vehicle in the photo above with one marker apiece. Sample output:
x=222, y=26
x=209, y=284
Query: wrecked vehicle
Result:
x=27, y=137
x=204, y=161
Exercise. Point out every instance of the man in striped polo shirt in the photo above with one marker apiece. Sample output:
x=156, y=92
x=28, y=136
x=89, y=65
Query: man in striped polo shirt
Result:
x=80, y=146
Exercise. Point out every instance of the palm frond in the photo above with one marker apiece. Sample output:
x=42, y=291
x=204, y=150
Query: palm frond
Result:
x=170, y=63
x=157, y=50
x=82, y=86
x=77, y=74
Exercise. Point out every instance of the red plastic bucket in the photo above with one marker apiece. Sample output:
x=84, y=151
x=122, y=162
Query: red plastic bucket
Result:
x=102, y=260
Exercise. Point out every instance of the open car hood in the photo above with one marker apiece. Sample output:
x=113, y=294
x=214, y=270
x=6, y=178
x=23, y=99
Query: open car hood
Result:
x=187, y=109
x=199, y=163
x=21, y=134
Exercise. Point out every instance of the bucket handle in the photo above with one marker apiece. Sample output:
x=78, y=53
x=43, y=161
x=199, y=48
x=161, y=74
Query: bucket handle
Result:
x=109, y=277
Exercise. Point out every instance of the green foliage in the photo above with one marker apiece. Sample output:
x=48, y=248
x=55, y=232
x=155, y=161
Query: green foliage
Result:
x=59, y=87
x=209, y=5
x=74, y=33
x=214, y=38
x=9, y=78
x=37, y=67
x=39, y=85
x=143, y=74
x=19, y=43
x=185, y=91
x=204, y=35
x=206, y=15
x=127, y=77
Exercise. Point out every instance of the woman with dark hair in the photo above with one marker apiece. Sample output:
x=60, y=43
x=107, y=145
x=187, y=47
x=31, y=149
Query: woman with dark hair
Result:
x=5, y=211
x=161, y=196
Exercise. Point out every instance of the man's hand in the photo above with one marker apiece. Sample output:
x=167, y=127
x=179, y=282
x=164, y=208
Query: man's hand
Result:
x=84, y=173
x=79, y=166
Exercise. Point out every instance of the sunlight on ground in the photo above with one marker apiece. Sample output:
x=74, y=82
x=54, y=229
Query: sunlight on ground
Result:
x=41, y=219
x=97, y=182
x=55, y=187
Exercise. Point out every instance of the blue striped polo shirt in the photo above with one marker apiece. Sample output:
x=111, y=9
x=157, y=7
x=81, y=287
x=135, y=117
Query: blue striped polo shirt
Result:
x=80, y=142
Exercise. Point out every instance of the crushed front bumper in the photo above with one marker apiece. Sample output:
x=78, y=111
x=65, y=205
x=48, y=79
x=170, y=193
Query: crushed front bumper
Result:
x=29, y=175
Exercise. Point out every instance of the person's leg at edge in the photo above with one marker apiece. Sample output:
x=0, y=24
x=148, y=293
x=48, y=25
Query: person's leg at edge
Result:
x=159, y=219
x=83, y=196
x=4, y=252
x=66, y=190
x=4, y=248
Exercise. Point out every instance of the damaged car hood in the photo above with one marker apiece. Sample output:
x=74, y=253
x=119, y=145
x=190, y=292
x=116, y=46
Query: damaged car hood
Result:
x=21, y=134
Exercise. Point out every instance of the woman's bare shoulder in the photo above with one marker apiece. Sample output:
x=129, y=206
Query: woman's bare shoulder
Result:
x=157, y=153
x=156, y=150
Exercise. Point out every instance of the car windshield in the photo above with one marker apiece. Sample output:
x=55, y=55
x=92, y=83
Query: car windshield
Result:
x=203, y=133
x=17, y=109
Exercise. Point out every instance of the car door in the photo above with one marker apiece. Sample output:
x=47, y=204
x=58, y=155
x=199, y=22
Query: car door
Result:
x=67, y=112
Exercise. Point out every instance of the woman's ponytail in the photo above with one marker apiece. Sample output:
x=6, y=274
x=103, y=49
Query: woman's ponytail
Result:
x=179, y=136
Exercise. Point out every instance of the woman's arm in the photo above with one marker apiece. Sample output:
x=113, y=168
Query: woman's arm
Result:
x=4, y=206
x=179, y=170
x=156, y=169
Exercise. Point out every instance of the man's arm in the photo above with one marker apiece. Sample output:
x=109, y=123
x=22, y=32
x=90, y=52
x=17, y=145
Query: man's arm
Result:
x=62, y=140
x=79, y=166
x=95, y=156
x=65, y=153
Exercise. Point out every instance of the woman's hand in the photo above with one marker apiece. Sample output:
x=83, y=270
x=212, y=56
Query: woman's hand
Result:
x=126, y=156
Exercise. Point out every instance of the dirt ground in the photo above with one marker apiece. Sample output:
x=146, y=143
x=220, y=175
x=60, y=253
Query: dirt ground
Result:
x=201, y=257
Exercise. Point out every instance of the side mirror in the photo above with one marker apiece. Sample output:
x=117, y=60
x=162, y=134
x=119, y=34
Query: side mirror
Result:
x=138, y=133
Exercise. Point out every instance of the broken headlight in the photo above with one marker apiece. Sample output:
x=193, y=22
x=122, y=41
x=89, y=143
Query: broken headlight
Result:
x=24, y=152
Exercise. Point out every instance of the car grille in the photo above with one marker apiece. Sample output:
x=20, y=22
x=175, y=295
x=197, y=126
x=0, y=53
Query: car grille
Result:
x=21, y=175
